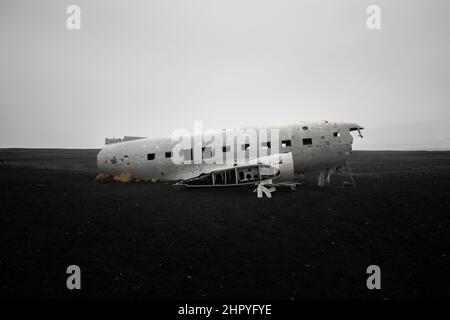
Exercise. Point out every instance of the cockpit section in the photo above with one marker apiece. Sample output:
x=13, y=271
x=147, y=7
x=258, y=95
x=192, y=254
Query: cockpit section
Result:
x=357, y=128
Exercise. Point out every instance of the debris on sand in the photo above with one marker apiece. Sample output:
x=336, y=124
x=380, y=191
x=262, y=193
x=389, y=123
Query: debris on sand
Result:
x=103, y=178
x=122, y=177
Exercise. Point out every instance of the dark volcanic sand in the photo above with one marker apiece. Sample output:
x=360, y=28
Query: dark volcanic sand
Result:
x=161, y=242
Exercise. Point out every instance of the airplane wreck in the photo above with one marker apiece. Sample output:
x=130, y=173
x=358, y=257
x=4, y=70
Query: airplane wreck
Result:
x=263, y=157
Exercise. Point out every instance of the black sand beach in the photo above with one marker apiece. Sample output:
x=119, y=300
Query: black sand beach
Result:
x=157, y=241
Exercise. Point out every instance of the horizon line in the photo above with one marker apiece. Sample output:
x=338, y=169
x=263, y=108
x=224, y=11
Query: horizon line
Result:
x=98, y=148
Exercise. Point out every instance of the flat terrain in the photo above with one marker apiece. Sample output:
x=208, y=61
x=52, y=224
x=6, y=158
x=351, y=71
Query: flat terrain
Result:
x=157, y=241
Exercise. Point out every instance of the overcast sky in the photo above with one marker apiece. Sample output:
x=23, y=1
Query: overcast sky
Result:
x=148, y=67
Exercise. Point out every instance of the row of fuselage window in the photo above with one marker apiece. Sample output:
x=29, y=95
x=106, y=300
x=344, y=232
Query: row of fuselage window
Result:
x=188, y=152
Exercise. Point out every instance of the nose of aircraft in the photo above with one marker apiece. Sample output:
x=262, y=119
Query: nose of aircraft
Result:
x=351, y=126
x=354, y=126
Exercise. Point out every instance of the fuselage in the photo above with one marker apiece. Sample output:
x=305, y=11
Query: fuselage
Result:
x=314, y=146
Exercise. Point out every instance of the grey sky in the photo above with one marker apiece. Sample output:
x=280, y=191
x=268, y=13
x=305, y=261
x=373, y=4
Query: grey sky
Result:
x=148, y=67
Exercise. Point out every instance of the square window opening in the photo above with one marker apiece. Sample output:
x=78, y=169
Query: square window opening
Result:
x=207, y=152
x=187, y=154
x=265, y=145
x=286, y=143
